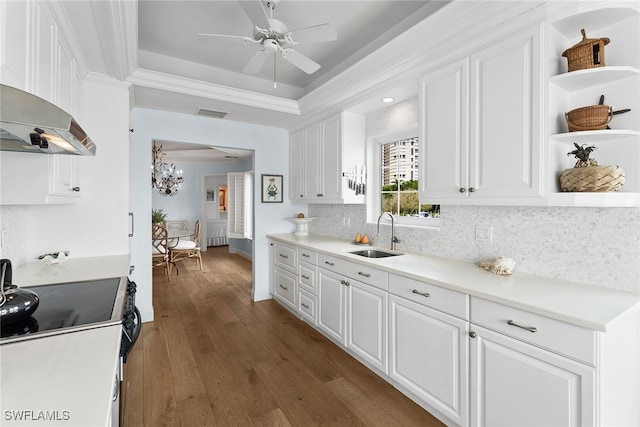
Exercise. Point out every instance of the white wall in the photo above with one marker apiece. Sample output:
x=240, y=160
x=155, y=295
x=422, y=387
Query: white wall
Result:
x=595, y=246
x=271, y=147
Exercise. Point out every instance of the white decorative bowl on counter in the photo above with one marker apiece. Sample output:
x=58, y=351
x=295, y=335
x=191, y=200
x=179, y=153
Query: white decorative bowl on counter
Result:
x=301, y=225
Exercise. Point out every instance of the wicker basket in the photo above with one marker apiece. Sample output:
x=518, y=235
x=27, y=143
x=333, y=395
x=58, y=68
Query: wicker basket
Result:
x=593, y=117
x=592, y=179
x=589, y=53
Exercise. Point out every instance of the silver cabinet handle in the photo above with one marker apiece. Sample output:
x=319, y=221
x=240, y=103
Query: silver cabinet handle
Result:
x=320, y=195
x=526, y=328
x=473, y=334
x=424, y=294
x=284, y=256
x=283, y=287
x=305, y=305
x=306, y=255
x=131, y=223
x=364, y=274
x=471, y=189
x=330, y=263
x=344, y=282
x=462, y=190
x=306, y=277
x=76, y=189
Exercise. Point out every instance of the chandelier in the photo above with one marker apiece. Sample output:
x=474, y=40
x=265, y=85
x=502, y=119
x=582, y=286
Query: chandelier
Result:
x=164, y=176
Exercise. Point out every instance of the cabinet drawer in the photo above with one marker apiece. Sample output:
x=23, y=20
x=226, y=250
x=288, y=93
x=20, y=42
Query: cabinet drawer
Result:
x=445, y=300
x=286, y=255
x=307, y=277
x=285, y=286
x=306, y=255
x=555, y=335
x=307, y=305
x=369, y=275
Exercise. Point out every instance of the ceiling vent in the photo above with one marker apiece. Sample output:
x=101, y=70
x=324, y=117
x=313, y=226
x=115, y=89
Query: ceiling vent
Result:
x=210, y=113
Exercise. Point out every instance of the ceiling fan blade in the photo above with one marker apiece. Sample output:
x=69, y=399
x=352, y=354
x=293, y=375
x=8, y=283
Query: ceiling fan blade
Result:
x=299, y=60
x=256, y=13
x=255, y=64
x=315, y=33
x=203, y=36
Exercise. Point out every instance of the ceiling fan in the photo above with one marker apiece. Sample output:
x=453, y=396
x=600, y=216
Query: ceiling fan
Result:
x=274, y=36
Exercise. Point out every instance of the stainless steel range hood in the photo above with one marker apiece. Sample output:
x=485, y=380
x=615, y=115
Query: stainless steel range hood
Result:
x=32, y=125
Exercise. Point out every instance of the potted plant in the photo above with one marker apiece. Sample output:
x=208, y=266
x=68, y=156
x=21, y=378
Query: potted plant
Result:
x=157, y=216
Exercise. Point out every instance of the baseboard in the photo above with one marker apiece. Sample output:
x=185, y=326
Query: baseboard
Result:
x=241, y=253
x=261, y=295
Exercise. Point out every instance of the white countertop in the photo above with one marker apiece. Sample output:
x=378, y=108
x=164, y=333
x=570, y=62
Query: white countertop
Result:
x=579, y=304
x=70, y=375
x=36, y=272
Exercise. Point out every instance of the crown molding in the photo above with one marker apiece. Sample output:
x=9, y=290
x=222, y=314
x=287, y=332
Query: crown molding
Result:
x=186, y=86
x=118, y=40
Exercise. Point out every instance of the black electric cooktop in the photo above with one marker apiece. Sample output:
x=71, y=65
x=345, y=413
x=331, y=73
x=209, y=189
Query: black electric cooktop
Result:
x=66, y=307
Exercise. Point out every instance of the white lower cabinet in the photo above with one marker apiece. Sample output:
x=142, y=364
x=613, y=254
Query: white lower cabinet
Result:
x=514, y=384
x=286, y=287
x=367, y=324
x=428, y=358
x=332, y=306
x=467, y=360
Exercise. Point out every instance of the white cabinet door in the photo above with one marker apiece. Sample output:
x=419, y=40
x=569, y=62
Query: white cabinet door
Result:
x=428, y=355
x=332, y=305
x=65, y=175
x=313, y=177
x=480, y=123
x=367, y=323
x=44, y=72
x=332, y=158
x=297, y=166
x=505, y=118
x=514, y=384
x=16, y=43
x=444, y=98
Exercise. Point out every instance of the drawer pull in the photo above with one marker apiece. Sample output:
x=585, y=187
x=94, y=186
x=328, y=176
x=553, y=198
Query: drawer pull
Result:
x=364, y=274
x=473, y=334
x=284, y=256
x=306, y=277
x=283, y=287
x=424, y=294
x=526, y=328
x=306, y=255
x=330, y=263
x=344, y=282
x=305, y=305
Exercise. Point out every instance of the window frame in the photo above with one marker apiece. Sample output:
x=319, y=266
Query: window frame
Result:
x=374, y=182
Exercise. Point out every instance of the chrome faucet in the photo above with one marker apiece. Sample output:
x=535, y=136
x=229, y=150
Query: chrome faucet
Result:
x=394, y=239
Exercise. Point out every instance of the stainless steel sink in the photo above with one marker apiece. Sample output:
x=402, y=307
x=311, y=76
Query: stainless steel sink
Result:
x=375, y=253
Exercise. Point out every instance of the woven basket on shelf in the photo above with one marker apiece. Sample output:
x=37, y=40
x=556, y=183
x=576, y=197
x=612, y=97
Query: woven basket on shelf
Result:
x=592, y=179
x=593, y=117
x=589, y=53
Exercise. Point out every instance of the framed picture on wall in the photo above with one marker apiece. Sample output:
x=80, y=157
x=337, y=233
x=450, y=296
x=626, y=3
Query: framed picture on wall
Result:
x=271, y=188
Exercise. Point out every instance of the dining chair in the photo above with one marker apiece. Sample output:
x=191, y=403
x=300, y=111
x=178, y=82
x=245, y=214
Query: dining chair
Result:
x=160, y=250
x=188, y=247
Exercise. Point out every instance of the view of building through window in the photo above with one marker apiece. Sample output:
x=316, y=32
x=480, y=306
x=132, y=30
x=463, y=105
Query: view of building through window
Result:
x=399, y=177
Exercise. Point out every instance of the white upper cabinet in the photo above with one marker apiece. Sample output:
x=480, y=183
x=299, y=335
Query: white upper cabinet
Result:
x=618, y=80
x=322, y=157
x=481, y=128
x=13, y=20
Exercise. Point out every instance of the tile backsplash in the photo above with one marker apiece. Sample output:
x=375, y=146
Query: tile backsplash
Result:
x=596, y=246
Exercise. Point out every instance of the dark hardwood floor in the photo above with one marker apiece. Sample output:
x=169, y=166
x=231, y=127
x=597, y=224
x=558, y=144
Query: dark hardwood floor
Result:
x=212, y=357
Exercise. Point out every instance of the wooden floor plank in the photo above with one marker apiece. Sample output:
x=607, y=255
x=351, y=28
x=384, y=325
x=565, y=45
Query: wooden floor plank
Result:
x=213, y=357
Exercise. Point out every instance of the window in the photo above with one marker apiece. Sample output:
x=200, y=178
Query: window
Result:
x=397, y=161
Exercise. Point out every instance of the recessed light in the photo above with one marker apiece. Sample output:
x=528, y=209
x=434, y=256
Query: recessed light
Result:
x=388, y=99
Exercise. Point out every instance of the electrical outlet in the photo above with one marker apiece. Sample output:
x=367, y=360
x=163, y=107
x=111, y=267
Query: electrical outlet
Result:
x=484, y=233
